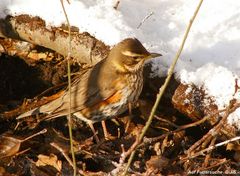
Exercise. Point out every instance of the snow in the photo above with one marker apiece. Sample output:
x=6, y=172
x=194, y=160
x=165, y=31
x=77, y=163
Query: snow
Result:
x=218, y=82
x=211, y=55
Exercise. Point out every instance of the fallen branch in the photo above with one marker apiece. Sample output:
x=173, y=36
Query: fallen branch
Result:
x=85, y=48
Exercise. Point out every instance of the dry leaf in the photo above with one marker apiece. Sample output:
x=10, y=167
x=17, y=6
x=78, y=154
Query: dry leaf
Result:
x=51, y=160
x=9, y=146
x=233, y=146
x=157, y=163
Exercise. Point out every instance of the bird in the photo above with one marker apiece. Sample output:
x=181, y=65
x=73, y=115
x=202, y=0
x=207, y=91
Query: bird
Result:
x=104, y=91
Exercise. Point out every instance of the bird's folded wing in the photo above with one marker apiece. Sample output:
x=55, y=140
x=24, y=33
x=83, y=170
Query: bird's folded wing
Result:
x=87, y=90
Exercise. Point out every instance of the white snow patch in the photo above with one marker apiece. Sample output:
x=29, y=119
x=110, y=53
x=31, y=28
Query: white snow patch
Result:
x=217, y=81
x=234, y=118
x=96, y=17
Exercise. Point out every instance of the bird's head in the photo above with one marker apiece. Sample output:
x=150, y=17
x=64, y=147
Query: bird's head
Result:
x=129, y=55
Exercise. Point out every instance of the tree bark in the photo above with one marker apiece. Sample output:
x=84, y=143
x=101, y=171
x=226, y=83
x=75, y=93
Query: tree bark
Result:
x=85, y=48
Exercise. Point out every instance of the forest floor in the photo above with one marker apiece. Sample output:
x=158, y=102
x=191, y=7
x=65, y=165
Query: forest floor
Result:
x=162, y=152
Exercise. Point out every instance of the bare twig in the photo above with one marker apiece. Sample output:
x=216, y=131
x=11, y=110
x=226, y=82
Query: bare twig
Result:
x=69, y=89
x=124, y=155
x=63, y=153
x=206, y=160
x=116, y=5
x=237, y=87
x=162, y=89
x=36, y=134
x=211, y=148
x=144, y=19
x=167, y=121
x=220, y=162
x=214, y=131
x=183, y=127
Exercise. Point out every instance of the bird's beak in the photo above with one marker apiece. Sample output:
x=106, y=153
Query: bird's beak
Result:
x=153, y=55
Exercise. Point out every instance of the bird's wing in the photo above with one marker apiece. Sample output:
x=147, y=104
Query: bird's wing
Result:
x=87, y=90
x=93, y=87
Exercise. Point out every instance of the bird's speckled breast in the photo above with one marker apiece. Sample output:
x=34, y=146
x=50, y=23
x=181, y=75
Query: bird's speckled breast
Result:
x=119, y=102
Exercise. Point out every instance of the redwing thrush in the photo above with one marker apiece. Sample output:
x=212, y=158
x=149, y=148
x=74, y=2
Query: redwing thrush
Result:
x=105, y=90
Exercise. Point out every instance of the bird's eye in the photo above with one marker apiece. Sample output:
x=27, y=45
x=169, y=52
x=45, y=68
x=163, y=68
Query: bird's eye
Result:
x=135, y=58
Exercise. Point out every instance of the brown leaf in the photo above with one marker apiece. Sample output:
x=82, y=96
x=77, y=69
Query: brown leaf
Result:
x=51, y=160
x=233, y=146
x=9, y=146
x=157, y=163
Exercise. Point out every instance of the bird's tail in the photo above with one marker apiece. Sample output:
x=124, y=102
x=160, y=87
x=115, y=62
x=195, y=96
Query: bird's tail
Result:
x=51, y=109
x=34, y=111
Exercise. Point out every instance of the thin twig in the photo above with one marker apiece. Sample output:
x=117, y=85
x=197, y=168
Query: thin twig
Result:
x=69, y=89
x=180, y=128
x=167, y=121
x=211, y=148
x=183, y=127
x=215, y=130
x=124, y=155
x=206, y=160
x=162, y=89
x=220, y=162
x=36, y=134
x=237, y=87
x=141, y=23
x=116, y=5
x=56, y=146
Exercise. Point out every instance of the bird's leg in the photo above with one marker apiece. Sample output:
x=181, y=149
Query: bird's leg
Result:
x=90, y=124
x=107, y=135
x=130, y=116
x=105, y=132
